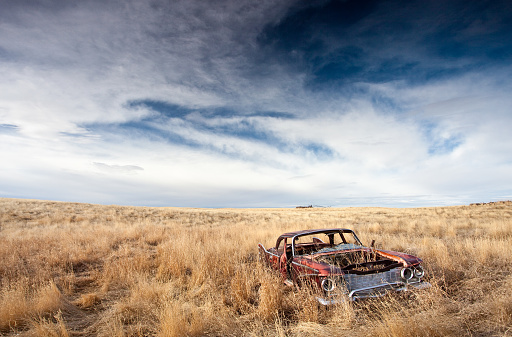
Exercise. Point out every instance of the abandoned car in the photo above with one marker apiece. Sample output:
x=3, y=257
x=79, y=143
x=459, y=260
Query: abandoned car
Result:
x=337, y=264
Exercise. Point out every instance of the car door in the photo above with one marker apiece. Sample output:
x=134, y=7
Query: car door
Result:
x=285, y=259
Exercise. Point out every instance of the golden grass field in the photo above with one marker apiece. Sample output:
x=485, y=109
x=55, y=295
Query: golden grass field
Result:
x=69, y=269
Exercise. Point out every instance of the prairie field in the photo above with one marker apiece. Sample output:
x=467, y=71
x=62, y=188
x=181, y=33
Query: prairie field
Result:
x=70, y=269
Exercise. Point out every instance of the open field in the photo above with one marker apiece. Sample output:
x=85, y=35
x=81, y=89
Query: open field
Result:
x=69, y=269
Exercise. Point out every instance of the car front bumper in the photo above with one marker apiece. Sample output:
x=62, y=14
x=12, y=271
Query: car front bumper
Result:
x=372, y=291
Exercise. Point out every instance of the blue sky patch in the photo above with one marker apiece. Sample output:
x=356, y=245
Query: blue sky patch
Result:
x=8, y=128
x=338, y=43
x=444, y=146
x=165, y=109
x=244, y=129
x=439, y=145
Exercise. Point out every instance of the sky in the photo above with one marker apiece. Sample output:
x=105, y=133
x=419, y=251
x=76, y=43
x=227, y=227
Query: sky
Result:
x=245, y=103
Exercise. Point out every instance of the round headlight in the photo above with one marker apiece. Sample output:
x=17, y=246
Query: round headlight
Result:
x=407, y=273
x=419, y=272
x=328, y=285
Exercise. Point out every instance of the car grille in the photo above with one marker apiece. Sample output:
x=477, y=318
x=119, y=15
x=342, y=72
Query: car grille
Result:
x=382, y=281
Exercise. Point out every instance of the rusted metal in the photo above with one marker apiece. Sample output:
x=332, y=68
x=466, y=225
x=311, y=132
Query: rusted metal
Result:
x=340, y=266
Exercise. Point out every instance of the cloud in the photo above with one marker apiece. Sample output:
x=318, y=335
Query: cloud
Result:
x=122, y=169
x=226, y=103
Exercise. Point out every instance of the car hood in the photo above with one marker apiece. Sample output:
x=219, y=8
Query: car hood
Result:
x=406, y=259
x=326, y=269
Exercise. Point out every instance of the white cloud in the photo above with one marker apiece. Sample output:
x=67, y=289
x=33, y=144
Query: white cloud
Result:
x=122, y=169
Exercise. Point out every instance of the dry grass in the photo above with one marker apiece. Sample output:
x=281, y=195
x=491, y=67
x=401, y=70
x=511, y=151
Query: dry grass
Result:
x=70, y=269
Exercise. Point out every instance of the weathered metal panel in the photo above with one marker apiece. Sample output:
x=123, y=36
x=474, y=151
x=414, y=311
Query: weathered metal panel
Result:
x=354, y=282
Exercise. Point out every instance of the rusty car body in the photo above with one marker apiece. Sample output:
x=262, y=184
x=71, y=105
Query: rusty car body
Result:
x=339, y=266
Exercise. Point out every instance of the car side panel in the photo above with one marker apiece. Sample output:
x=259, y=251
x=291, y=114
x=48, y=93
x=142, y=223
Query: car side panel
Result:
x=271, y=257
x=303, y=273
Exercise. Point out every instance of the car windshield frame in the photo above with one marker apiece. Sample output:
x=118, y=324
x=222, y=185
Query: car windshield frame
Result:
x=341, y=246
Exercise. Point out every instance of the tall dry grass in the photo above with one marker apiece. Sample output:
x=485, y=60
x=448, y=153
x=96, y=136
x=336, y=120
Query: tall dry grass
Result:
x=70, y=269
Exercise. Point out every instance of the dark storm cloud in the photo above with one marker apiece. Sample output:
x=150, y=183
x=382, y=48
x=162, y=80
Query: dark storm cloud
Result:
x=342, y=42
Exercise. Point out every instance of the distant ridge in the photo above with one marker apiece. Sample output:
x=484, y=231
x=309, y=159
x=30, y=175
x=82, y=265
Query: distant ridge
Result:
x=505, y=202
